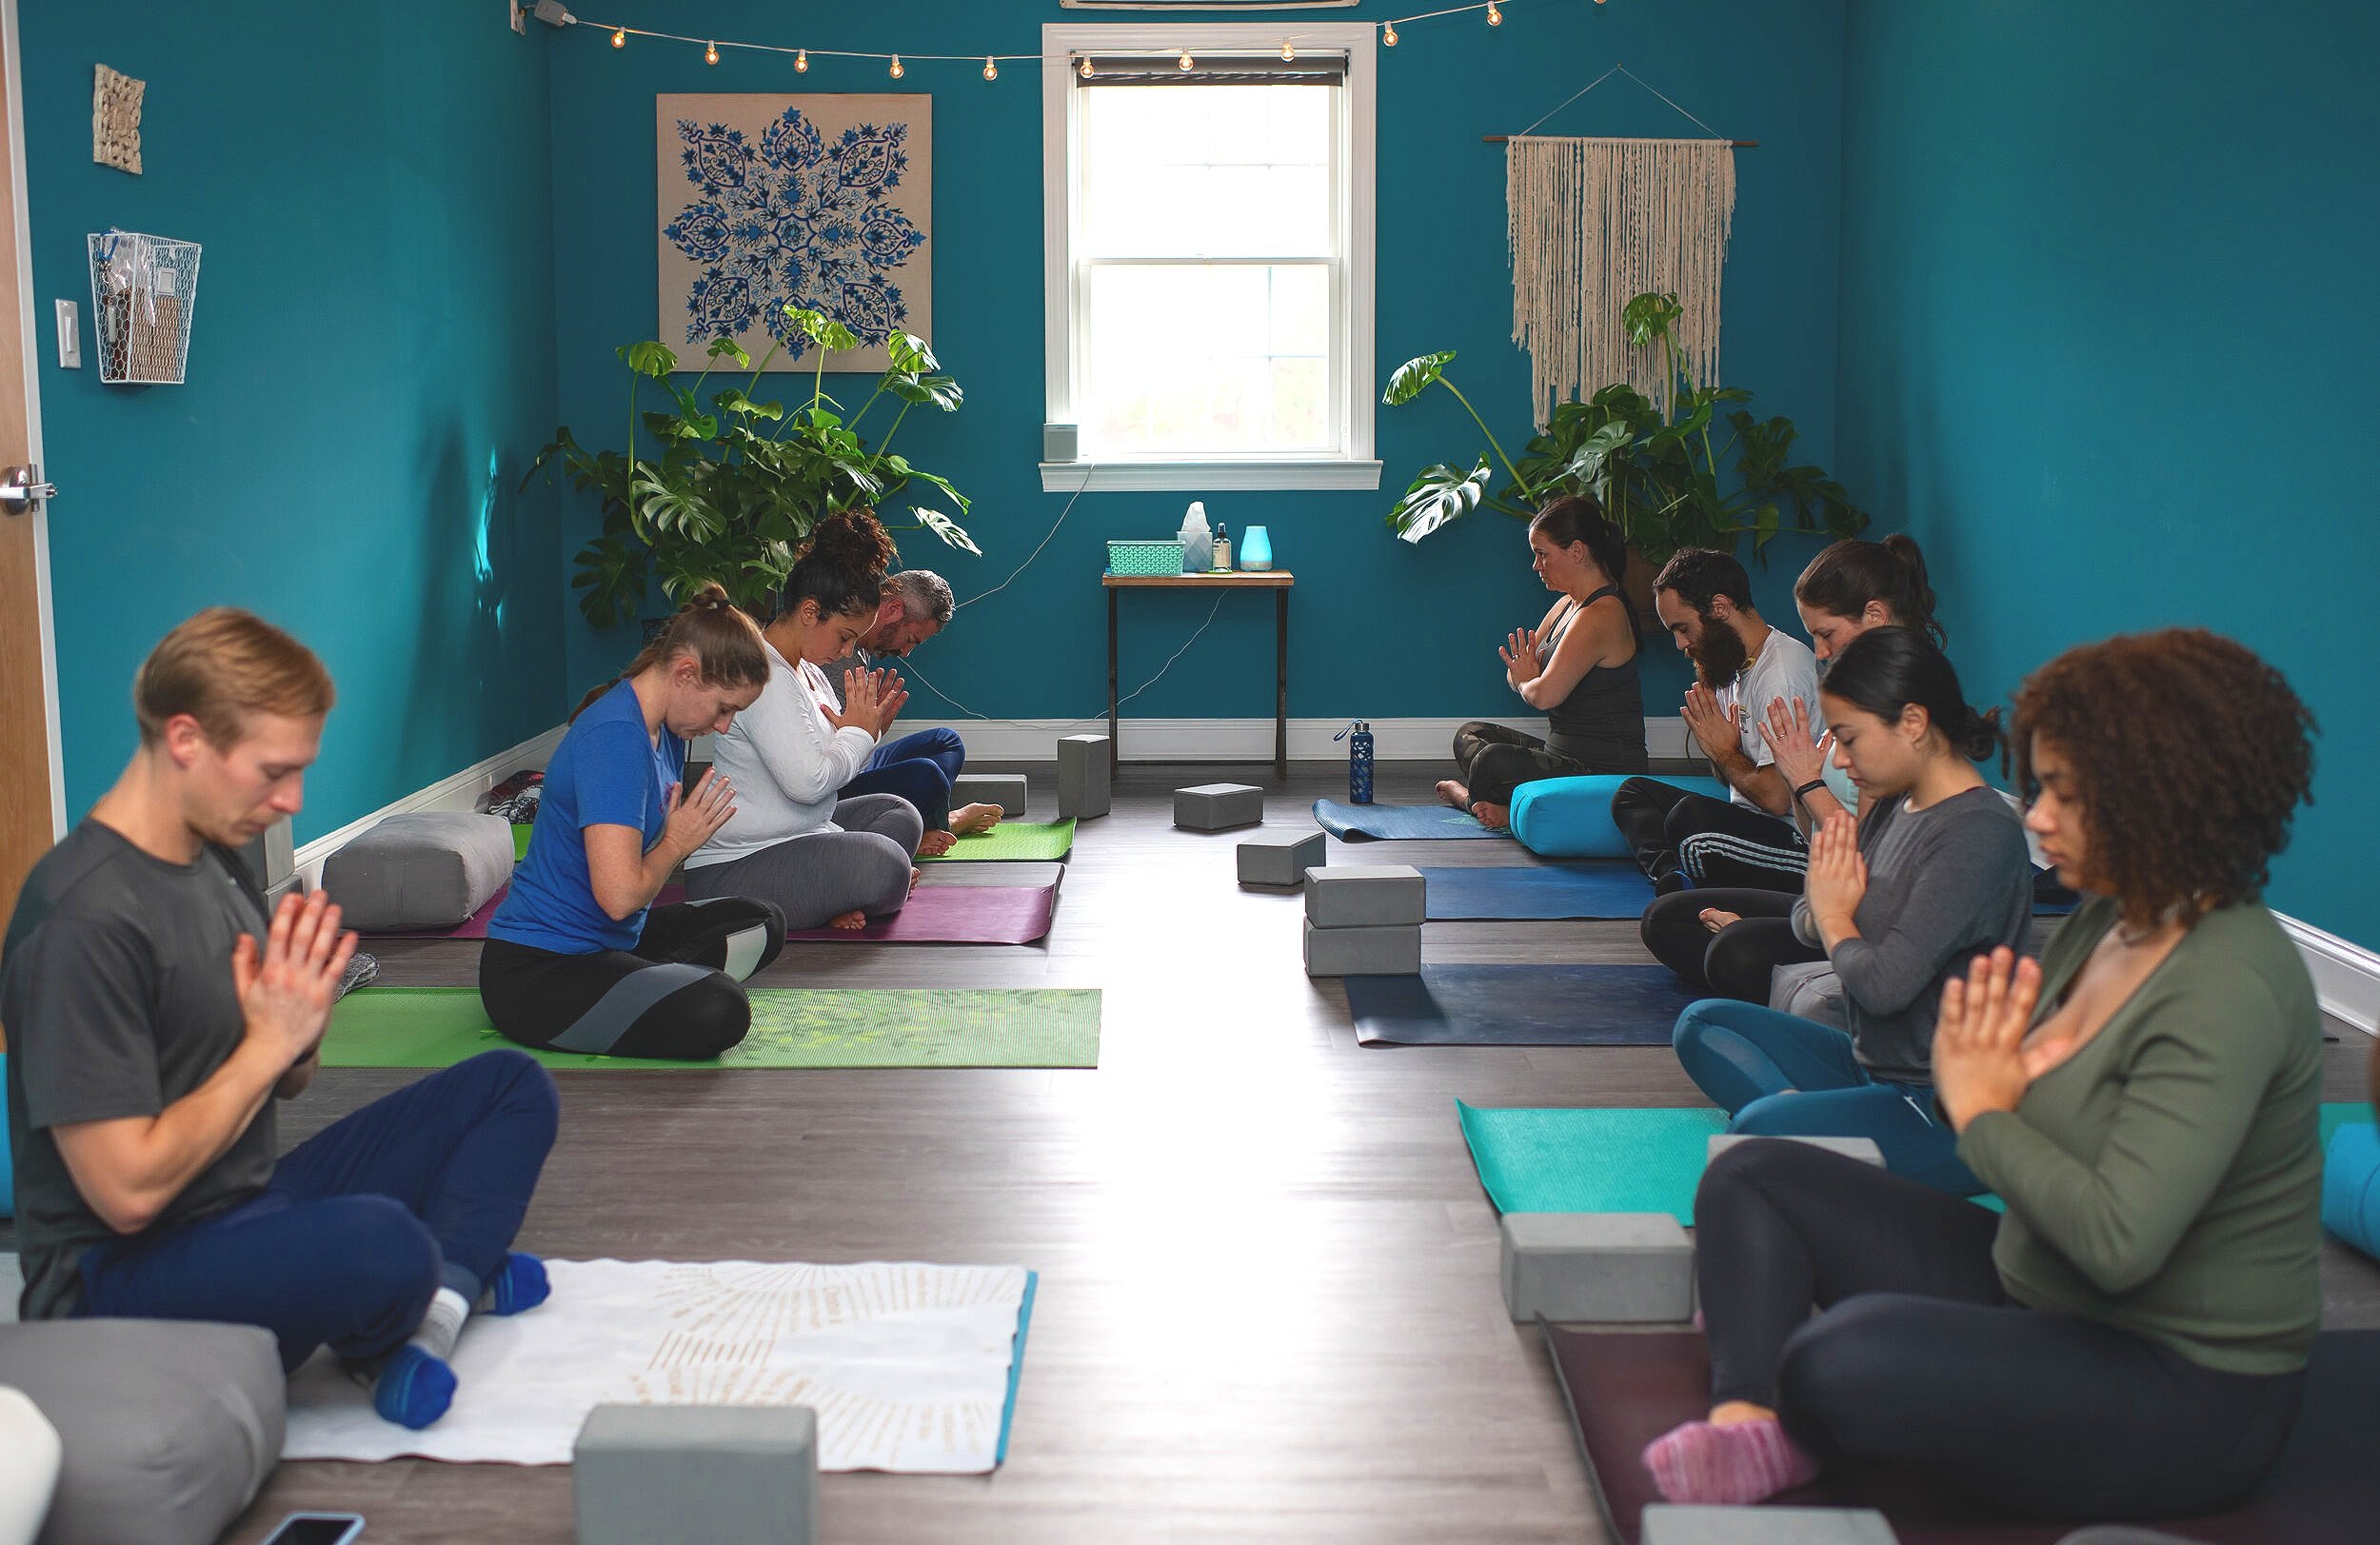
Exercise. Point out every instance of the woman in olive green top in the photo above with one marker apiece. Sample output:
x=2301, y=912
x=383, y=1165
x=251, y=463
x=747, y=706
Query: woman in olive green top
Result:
x=2128, y=1340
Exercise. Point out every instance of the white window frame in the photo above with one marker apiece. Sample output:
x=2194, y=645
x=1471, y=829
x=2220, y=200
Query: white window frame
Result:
x=1356, y=466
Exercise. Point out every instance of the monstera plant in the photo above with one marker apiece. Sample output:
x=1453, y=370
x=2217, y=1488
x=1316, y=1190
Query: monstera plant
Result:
x=1657, y=473
x=737, y=484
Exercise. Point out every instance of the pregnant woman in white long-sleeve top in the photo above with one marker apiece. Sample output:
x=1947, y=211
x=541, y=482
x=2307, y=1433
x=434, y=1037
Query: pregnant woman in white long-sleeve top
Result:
x=792, y=842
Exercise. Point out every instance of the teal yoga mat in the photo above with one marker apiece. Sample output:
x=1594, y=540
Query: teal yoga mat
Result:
x=1540, y=891
x=1635, y=1160
x=1393, y=823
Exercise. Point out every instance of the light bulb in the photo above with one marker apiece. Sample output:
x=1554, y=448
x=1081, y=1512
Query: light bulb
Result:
x=1389, y=36
x=620, y=38
x=897, y=70
x=1288, y=51
x=800, y=61
x=710, y=53
x=1087, y=70
x=1496, y=17
x=991, y=68
x=1186, y=62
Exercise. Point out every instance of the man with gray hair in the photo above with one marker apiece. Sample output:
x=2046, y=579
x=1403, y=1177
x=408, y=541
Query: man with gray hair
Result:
x=917, y=602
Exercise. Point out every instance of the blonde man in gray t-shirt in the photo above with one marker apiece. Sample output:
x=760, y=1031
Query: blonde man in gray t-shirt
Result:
x=1741, y=665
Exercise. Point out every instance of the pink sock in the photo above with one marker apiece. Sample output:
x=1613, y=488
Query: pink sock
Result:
x=1732, y=1466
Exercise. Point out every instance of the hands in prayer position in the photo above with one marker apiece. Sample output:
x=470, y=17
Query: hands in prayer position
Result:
x=691, y=816
x=1837, y=879
x=1521, y=660
x=1800, y=757
x=1720, y=735
x=1980, y=1060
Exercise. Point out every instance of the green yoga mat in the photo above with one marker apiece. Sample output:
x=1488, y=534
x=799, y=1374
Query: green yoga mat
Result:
x=1538, y=1160
x=1012, y=839
x=521, y=830
x=791, y=1027
x=1638, y=1160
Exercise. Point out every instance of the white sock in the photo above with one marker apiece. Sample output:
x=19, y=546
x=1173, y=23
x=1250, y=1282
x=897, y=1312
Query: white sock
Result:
x=441, y=1324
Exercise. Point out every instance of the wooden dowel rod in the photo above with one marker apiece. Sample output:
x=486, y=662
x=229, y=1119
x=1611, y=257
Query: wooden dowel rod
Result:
x=1507, y=139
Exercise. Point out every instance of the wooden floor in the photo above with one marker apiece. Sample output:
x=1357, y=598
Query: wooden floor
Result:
x=1268, y=1304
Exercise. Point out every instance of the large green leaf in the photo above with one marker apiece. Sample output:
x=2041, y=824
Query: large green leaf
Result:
x=822, y=329
x=1439, y=496
x=949, y=530
x=650, y=359
x=1413, y=375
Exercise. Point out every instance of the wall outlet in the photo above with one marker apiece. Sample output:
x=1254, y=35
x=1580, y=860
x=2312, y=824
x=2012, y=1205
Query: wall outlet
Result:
x=69, y=336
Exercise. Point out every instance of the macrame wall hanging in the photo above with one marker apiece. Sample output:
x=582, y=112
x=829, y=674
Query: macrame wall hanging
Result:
x=1596, y=223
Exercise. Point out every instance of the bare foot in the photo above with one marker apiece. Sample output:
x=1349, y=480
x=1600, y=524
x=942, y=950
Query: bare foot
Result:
x=936, y=843
x=1715, y=919
x=853, y=920
x=970, y=819
x=915, y=875
x=1493, y=816
x=1454, y=794
x=1727, y=1413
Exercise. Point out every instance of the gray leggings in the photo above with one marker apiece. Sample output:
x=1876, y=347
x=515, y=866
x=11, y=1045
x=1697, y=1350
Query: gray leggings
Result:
x=864, y=867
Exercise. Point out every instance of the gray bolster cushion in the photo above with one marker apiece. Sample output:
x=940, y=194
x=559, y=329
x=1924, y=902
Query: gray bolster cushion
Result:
x=431, y=869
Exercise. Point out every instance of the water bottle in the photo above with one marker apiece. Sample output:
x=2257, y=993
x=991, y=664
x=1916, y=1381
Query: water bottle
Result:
x=1358, y=738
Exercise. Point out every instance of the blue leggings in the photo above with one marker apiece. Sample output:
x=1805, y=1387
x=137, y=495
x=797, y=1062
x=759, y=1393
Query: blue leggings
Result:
x=1778, y=1075
x=919, y=769
x=359, y=1225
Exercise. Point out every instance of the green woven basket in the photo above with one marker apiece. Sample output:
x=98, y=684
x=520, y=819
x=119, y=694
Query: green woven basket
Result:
x=1144, y=557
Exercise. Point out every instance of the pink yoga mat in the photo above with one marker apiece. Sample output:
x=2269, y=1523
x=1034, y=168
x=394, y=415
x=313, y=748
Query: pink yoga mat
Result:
x=955, y=915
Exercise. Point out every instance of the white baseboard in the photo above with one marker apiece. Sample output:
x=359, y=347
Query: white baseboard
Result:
x=460, y=792
x=1243, y=739
x=2347, y=976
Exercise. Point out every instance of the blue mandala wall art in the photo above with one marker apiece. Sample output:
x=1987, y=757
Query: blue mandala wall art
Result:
x=822, y=201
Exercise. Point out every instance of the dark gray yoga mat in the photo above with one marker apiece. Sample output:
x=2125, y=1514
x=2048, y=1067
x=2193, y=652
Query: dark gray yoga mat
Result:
x=1521, y=893
x=1387, y=822
x=1519, y=1006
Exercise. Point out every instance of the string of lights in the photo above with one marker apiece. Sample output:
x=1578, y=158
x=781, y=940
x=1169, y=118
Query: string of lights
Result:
x=897, y=63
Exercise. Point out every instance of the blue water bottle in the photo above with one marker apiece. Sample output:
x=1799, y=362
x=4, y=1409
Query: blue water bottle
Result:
x=1358, y=761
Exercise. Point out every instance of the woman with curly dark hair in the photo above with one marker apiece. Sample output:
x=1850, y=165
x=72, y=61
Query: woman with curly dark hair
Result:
x=816, y=858
x=2129, y=1338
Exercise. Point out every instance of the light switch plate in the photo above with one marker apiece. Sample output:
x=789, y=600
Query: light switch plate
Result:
x=69, y=336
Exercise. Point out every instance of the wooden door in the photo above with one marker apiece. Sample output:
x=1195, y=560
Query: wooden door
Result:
x=27, y=826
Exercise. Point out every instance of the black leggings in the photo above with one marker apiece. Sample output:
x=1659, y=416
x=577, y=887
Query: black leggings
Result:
x=676, y=996
x=1493, y=761
x=1921, y=1360
x=1736, y=960
x=1671, y=830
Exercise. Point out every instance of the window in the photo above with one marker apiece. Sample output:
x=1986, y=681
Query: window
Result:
x=1210, y=256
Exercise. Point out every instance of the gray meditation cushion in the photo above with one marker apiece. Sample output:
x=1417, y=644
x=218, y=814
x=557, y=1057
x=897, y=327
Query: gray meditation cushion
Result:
x=430, y=869
x=169, y=1426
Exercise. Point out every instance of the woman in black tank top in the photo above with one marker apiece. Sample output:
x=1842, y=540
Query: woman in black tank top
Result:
x=1577, y=667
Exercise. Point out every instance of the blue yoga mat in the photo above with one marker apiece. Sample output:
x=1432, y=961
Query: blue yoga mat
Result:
x=1519, y=1006
x=1385, y=822
x=1591, y=1161
x=1525, y=893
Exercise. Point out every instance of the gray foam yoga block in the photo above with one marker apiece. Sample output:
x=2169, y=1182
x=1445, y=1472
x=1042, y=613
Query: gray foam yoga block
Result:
x=1863, y=1149
x=1608, y=1268
x=1368, y=898
x=1218, y=806
x=1007, y=791
x=1667, y=1524
x=1362, y=952
x=1082, y=777
x=642, y=1472
x=1281, y=858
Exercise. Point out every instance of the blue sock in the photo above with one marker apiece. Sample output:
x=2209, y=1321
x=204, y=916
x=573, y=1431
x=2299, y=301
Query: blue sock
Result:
x=413, y=1389
x=519, y=1283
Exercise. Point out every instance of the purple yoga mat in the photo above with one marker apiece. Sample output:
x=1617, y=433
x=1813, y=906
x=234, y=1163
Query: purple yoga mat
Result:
x=955, y=915
x=475, y=927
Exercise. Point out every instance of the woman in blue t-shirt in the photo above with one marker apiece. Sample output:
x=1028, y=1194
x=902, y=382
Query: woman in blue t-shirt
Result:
x=578, y=958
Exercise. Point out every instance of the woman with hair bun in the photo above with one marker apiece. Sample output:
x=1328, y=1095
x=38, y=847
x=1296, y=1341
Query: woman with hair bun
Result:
x=817, y=859
x=1577, y=667
x=2129, y=1339
x=1933, y=873
x=578, y=958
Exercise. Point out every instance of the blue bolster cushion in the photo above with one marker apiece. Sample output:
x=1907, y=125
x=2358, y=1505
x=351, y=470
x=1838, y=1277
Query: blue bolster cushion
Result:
x=1571, y=818
x=2350, y=1187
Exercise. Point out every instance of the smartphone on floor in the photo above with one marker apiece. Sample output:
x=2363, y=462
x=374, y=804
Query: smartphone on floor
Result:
x=317, y=1528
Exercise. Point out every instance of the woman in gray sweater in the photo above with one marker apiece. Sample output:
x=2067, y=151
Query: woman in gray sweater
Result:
x=1933, y=872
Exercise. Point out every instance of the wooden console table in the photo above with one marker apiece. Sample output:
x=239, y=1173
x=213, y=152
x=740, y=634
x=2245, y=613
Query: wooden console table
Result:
x=1275, y=580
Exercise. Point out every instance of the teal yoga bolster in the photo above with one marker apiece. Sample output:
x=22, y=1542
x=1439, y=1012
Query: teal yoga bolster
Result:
x=1571, y=818
x=2350, y=1187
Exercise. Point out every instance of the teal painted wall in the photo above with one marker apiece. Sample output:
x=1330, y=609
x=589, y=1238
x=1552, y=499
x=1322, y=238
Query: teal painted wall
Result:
x=2108, y=343
x=1379, y=628
x=372, y=361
